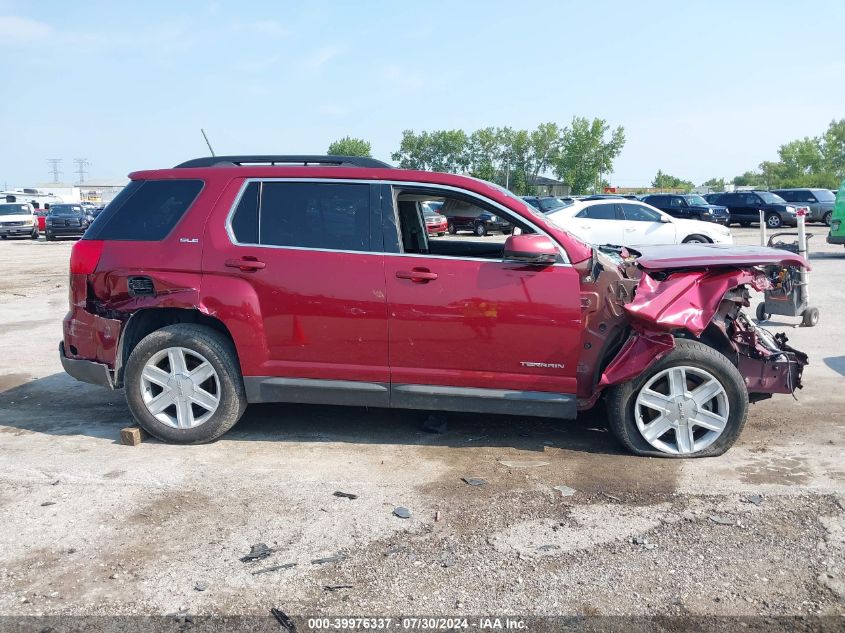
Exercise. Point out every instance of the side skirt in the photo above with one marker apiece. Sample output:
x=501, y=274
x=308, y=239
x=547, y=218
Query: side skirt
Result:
x=402, y=396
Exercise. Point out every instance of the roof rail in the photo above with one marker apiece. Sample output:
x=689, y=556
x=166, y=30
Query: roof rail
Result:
x=265, y=159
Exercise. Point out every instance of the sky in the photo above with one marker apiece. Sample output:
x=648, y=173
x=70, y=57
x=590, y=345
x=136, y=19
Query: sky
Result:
x=703, y=89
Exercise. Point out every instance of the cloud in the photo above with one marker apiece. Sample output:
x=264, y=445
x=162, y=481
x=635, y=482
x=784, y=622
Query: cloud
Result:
x=15, y=29
x=403, y=78
x=322, y=57
x=262, y=27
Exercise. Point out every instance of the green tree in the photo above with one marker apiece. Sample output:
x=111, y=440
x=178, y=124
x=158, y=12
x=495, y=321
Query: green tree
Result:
x=715, y=184
x=665, y=181
x=585, y=153
x=348, y=146
x=441, y=150
x=749, y=179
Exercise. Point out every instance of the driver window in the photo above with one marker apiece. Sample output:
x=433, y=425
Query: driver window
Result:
x=431, y=223
x=639, y=213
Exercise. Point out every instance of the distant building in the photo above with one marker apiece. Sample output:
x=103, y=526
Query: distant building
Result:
x=101, y=191
x=544, y=186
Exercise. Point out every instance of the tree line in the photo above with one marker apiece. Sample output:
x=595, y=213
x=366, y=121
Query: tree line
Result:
x=817, y=161
x=580, y=154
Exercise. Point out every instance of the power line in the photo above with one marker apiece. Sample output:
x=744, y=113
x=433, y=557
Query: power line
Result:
x=81, y=163
x=55, y=163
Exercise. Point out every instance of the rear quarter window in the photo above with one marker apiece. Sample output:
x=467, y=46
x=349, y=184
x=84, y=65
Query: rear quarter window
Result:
x=145, y=211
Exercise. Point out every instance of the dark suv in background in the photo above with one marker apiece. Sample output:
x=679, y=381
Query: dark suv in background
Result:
x=688, y=207
x=819, y=201
x=745, y=207
x=67, y=220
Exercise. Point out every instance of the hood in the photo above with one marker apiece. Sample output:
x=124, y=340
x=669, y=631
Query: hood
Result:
x=676, y=256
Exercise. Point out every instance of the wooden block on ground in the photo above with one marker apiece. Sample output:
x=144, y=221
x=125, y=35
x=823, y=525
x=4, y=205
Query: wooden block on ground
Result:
x=132, y=435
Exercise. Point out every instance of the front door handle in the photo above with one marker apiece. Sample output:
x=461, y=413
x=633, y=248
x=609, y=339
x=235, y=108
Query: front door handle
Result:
x=629, y=230
x=417, y=275
x=246, y=263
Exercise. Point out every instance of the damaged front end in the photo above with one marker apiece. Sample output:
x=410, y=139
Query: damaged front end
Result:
x=689, y=291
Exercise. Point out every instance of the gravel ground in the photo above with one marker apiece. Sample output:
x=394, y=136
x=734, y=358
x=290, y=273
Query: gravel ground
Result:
x=91, y=527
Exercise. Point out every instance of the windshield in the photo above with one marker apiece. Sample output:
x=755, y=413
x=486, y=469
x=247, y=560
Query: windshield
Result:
x=696, y=201
x=547, y=205
x=823, y=195
x=65, y=209
x=14, y=209
x=770, y=198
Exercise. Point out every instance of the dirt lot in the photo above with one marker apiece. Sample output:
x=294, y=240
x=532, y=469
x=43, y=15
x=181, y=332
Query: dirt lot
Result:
x=93, y=527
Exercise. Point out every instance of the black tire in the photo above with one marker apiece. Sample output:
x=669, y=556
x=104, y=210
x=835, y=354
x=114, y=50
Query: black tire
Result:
x=762, y=315
x=480, y=229
x=441, y=233
x=621, y=399
x=697, y=239
x=218, y=350
x=774, y=221
x=34, y=234
x=745, y=224
x=810, y=317
x=827, y=217
x=4, y=236
x=451, y=228
x=50, y=238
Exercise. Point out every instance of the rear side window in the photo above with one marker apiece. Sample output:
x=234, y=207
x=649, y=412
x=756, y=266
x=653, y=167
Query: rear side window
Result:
x=599, y=212
x=334, y=216
x=639, y=213
x=145, y=211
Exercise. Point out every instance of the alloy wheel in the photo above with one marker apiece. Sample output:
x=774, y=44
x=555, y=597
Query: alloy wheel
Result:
x=682, y=410
x=180, y=387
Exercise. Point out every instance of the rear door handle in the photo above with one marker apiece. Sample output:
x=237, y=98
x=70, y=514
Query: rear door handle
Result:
x=246, y=263
x=629, y=230
x=417, y=275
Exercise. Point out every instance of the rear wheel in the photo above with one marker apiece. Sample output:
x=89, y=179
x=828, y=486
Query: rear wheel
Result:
x=827, y=217
x=451, y=228
x=691, y=403
x=183, y=384
x=773, y=221
x=697, y=239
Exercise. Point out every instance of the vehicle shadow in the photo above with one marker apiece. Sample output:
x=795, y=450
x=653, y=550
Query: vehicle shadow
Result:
x=61, y=406
x=836, y=363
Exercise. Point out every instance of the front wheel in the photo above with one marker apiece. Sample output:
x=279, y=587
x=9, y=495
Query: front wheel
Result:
x=773, y=221
x=34, y=234
x=451, y=228
x=480, y=230
x=697, y=239
x=691, y=403
x=183, y=384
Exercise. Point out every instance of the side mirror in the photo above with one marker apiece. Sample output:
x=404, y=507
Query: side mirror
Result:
x=530, y=249
x=665, y=220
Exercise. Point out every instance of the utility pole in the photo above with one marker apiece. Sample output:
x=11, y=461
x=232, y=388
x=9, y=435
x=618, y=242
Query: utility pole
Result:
x=81, y=163
x=55, y=163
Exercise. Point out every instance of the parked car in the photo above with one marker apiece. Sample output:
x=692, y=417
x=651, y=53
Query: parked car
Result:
x=547, y=204
x=18, y=219
x=462, y=215
x=819, y=201
x=745, y=206
x=688, y=207
x=66, y=220
x=634, y=223
x=837, y=222
x=435, y=223
x=230, y=280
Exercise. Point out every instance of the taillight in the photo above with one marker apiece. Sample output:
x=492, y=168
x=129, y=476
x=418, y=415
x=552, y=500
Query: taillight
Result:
x=85, y=255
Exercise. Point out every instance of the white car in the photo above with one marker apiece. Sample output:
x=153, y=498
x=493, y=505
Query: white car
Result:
x=626, y=222
x=18, y=219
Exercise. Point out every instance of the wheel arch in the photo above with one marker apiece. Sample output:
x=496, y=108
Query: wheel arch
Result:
x=148, y=320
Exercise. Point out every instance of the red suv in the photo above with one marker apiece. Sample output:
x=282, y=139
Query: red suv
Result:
x=239, y=279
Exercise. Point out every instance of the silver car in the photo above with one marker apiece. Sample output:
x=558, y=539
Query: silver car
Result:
x=820, y=202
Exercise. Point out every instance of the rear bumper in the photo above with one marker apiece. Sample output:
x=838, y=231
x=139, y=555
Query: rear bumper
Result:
x=836, y=239
x=86, y=370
